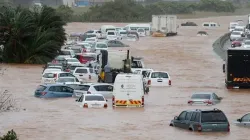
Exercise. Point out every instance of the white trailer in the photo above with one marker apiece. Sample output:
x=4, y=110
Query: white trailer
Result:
x=164, y=23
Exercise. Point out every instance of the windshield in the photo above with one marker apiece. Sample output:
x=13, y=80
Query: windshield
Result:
x=247, y=43
x=140, y=30
x=123, y=33
x=41, y=88
x=235, y=33
x=213, y=116
x=72, y=60
x=237, y=29
x=77, y=50
x=110, y=29
x=65, y=52
x=62, y=80
x=90, y=31
x=201, y=96
x=94, y=98
x=81, y=71
x=111, y=33
x=101, y=46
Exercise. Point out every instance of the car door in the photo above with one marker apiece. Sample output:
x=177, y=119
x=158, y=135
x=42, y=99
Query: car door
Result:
x=66, y=91
x=186, y=123
x=181, y=120
x=55, y=91
x=245, y=120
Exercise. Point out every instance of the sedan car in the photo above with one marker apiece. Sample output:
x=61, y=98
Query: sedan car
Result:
x=95, y=88
x=53, y=91
x=116, y=43
x=92, y=101
x=235, y=35
x=101, y=46
x=68, y=80
x=204, y=98
x=237, y=42
x=243, y=121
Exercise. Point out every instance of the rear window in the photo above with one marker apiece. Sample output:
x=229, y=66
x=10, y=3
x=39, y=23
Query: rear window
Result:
x=41, y=88
x=159, y=75
x=89, y=58
x=48, y=75
x=111, y=33
x=94, y=98
x=140, y=30
x=83, y=87
x=66, y=80
x=123, y=33
x=101, y=46
x=89, y=36
x=213, y=116
x=201, y=96
x=91, y=70
x=81, y=71
x=65, y=52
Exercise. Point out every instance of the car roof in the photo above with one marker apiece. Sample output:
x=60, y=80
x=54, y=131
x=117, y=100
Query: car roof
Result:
x=70, y=58
x=160, y=71
x=95, y=94
x=66, y=77
x=50, y=85
x=203, y=93
x=202, y=110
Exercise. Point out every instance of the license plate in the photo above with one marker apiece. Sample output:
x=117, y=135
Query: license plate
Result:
x=96, y=105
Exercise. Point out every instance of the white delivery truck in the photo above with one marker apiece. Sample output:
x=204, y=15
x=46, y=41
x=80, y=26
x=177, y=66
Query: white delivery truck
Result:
x=128, y=90
x=165, y=24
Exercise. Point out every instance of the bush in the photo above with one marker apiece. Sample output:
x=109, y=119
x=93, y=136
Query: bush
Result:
x=11, y=135
x=130, y=11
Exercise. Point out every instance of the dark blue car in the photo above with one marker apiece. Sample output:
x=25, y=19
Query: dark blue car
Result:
x=53, y=91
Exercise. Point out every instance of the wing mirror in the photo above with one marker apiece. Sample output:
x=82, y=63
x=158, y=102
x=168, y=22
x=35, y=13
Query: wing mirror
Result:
x=106, y=100
x=176, y=118
x=238, y=120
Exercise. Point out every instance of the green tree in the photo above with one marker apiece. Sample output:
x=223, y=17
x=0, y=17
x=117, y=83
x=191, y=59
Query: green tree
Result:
x=31, y=36
x=11, y=135
x=65, y=12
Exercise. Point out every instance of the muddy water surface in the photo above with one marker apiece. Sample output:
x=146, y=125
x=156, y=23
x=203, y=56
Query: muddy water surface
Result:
x=192, y=65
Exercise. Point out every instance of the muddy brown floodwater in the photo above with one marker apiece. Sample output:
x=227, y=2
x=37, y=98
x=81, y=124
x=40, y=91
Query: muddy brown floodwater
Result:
x=192, y=65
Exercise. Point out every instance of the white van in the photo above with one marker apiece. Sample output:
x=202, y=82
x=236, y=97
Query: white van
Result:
x=158, y=78
x=141, y=32
x=111, y=35
x=106, y=28
x=128, y=90
x=210, y=24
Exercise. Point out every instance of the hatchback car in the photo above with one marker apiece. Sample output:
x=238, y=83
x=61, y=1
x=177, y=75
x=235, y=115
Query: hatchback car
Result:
x=53, y=91
x=243, y=121
x=202, y=120
x=95, y=88
x=246, y=44
x=235, y=35
x=204, y=98
x=92, y=101
x=52, y=77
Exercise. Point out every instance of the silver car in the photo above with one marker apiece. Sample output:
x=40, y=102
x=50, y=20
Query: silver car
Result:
x=243, y=121
x=204, y=98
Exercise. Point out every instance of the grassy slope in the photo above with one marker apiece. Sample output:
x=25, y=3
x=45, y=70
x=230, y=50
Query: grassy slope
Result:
x=243, y=11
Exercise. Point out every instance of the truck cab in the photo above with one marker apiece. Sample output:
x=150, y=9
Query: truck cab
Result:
x=237, y=68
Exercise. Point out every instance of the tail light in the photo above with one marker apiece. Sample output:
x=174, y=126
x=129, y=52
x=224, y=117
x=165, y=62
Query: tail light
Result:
x=84, y=50
x=190, y=102
x=88, y=92
x=169, y=82
x=228, y=127
x=43, y=93
x=105, y=105
x=142, y=100
x=208, y=102
x=89, y=77
x=113, y=100
x=85, y=105
x=199, y=128
x=149, y=82
x=55, y=75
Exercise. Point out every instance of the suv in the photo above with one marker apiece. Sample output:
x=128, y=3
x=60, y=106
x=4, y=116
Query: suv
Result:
x=202, y=120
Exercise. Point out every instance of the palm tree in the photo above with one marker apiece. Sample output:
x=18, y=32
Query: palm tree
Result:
x=31, y=36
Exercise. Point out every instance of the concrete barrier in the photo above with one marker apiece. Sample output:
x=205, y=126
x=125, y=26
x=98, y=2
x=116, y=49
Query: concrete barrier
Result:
x=218, y=46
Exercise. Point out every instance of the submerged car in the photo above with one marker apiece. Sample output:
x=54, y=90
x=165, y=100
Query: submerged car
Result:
x=202, y=121
x=243, y=121
x=53, y=91
x=204, y=98
x=92, y=101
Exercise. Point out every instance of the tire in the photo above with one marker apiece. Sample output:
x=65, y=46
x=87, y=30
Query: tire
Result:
x=191, y=129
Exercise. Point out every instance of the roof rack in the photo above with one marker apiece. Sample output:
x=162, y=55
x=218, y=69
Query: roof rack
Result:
x=216, y=109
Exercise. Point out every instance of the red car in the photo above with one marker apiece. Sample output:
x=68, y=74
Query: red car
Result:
x=84, y=58
x=237, y=42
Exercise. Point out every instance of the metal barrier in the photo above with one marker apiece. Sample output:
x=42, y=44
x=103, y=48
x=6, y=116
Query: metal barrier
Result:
x=218, y=46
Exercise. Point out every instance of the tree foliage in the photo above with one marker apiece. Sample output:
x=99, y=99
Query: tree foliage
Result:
x=129, y=10
x=30, y=36
x=11, y=135
x=65, y=12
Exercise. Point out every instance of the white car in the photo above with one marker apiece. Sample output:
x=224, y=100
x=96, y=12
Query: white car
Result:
x=95, y=88
x=68, y=80
x=158, y=78
x=204, y=98
x=235, y=35
x=72, y=61
x=246, y=44
x=111, y=35
x=85, y=74
x=141, y=32
x=101, y=46
x=92, y=101
x=50, y=70
x=52, y=77
x=92, y=39
x=87, y=46
x=122, y=34
x=55, y=67
x=67, y=53
x=244, y=121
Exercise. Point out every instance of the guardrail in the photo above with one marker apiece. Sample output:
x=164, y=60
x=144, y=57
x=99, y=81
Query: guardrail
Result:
x=218, y=46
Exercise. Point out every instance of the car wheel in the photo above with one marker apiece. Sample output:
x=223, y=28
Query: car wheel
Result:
x=191, y=129
x=171, y=124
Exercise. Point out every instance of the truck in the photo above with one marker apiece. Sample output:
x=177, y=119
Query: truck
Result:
x=165, y=24
x=237, y=68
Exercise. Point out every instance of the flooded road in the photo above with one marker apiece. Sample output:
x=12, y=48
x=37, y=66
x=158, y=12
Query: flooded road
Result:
x=192, y=65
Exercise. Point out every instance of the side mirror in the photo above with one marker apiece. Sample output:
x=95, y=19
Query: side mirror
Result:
x=238, y=120
x=176, y=118
x=106, y=100
x=223, y=67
